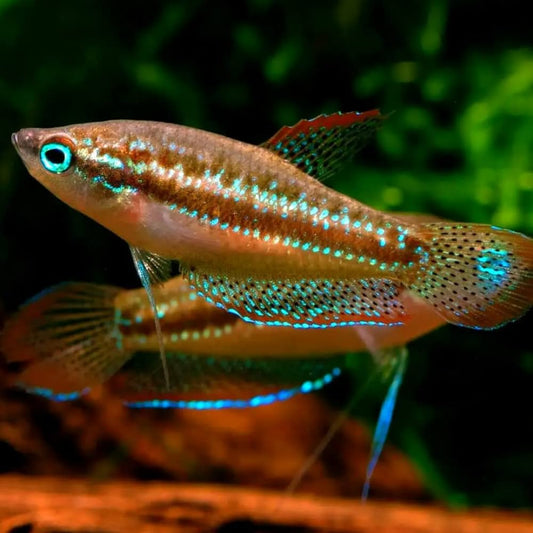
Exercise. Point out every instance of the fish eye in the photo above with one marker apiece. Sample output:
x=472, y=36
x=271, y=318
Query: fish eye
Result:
x=56, y=157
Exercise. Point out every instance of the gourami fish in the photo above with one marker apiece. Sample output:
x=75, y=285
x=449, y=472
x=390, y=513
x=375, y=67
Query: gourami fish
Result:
x=78, y=335
x=258, y=234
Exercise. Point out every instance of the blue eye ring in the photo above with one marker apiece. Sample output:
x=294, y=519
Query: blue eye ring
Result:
x=56, y=157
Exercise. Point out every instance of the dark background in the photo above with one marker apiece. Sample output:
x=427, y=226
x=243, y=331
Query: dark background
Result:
x=458, y=76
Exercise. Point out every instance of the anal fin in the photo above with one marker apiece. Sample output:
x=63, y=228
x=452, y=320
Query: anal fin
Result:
x=200, y=382
x=319, y=303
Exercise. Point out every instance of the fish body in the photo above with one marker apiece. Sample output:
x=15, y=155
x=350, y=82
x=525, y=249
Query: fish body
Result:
x=77, y=335
x=219, y=206
x=211, y=202
x=258, y=234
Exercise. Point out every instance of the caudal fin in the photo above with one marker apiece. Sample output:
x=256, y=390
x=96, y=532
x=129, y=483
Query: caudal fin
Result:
x=67, y=338
x=476, y=275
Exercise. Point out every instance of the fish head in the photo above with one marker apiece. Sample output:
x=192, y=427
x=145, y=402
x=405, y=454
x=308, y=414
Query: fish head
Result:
x=85, y=166
x=49, y=157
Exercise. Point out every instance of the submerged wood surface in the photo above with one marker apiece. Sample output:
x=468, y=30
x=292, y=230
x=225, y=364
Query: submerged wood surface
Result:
x=46, y=504
x=97, y=437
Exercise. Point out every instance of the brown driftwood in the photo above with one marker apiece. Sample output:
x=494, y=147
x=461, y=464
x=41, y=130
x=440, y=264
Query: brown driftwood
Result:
x=61, y=505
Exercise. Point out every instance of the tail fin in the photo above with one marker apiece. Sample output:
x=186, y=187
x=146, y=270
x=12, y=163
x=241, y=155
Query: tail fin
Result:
x=68, y=337
x=476, y=275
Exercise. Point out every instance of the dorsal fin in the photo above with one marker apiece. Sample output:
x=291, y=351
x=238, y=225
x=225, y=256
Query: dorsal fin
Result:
x=321, y=145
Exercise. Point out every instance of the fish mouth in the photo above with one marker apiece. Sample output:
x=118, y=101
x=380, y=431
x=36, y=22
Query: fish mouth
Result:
x=14, y=140
x=26, y=141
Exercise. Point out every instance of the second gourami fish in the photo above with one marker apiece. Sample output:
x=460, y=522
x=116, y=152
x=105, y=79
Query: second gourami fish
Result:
x=77, y=335
x=259, y=235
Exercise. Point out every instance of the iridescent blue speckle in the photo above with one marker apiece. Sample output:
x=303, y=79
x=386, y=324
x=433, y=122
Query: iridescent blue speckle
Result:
x=255, y=401
x=51, y=395
x=493, y=265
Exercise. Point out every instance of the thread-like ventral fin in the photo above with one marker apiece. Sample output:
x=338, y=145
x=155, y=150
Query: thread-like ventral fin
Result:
x=153, y=269
x=199, y=382
x=68, y=339
x=157, y=268
x=321, y=145
x=305, y=304
x=393, y=362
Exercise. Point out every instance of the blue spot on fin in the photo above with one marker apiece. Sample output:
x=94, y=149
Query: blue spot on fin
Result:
x=475, y=275
x=321, y=145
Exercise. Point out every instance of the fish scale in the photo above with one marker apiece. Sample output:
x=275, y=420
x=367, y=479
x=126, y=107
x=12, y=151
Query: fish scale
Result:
x=75, y=336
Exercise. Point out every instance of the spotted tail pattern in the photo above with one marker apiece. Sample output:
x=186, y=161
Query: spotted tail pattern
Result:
x=476, y=275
